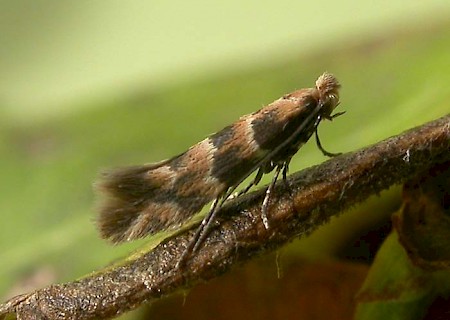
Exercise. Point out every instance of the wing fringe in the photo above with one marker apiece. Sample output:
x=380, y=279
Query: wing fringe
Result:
x=126, y=194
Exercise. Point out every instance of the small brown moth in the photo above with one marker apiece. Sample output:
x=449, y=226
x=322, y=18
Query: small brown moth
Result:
x=146, y=199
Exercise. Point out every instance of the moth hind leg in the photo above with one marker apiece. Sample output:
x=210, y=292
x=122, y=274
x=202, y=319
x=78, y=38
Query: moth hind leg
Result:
x=203, y=229
x=269, y=191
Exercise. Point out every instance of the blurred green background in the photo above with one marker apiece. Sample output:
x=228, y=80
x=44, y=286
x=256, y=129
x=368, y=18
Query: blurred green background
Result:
x=88, y=85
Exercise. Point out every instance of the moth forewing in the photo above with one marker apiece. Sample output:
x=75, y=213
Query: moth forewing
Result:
x=144, y=200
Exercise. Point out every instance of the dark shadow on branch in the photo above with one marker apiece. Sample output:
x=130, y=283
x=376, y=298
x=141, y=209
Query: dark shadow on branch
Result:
x=312, y=197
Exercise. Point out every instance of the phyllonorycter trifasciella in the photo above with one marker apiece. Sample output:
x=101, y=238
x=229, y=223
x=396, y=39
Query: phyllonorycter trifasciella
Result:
x=143, y=200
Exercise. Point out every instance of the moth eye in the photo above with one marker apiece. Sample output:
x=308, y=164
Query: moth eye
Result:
x=334, y=100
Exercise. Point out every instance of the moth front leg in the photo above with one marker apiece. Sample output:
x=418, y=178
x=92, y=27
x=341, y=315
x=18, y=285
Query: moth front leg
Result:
x=319, y=145
x=269, y=191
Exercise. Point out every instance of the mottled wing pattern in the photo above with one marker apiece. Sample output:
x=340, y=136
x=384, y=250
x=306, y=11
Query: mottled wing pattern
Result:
x=144, y=200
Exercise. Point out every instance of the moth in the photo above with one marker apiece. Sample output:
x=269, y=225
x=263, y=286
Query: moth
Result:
x=143, y=200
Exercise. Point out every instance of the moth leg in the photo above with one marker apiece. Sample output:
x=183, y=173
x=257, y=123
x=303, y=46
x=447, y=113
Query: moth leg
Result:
x=201, y=232
x=255, y=181
x=269, y=190
x=286, y=170
x=319, y=145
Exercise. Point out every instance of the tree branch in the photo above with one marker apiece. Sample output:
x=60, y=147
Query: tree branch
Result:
x=311, y=197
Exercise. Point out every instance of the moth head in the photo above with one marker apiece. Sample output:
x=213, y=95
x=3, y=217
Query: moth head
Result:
x=328, y=87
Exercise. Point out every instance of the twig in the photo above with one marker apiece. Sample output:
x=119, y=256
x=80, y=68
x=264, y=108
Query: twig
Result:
x=311, y=197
